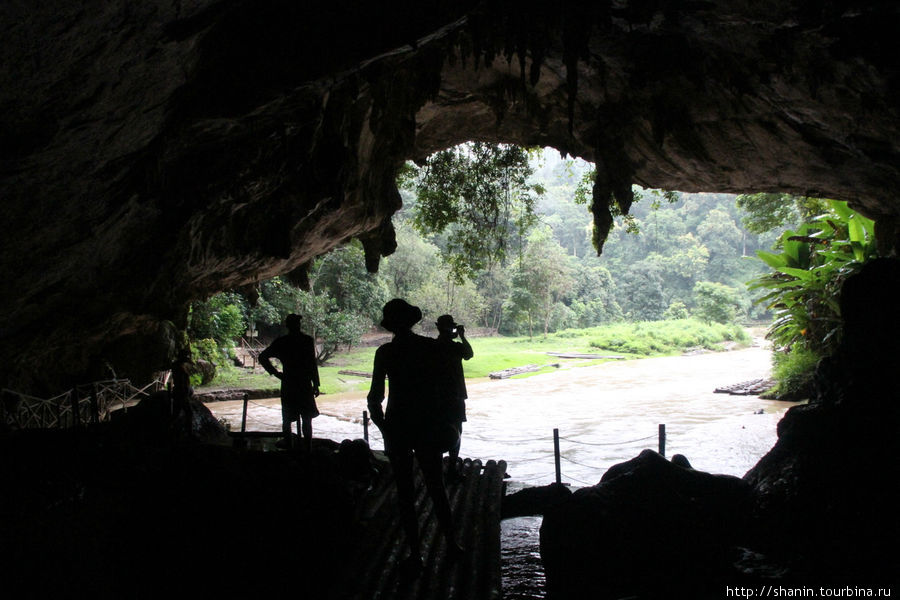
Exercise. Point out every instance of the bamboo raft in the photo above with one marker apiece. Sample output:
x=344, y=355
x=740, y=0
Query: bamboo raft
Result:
x=507, y=373
x=587, y=356
x=371, y=570
x=754, y=387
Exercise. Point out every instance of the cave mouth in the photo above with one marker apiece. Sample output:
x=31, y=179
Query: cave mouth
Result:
x=152, y=156
x=254, y=152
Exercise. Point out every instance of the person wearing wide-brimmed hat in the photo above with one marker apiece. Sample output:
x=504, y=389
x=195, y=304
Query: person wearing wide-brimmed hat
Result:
x=299, y=379
x=410, y=362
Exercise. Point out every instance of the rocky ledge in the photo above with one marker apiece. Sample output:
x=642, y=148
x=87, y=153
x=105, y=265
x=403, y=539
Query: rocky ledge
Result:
x=129, y=510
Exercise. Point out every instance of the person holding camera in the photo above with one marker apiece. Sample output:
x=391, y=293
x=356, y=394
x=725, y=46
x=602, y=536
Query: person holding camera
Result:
x=453, y=388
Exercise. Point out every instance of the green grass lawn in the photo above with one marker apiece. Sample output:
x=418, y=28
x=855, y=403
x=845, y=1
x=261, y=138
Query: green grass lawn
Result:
x=630, y=340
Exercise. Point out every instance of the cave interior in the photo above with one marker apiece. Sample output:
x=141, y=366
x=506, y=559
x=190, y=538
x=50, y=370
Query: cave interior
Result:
x=153, y=154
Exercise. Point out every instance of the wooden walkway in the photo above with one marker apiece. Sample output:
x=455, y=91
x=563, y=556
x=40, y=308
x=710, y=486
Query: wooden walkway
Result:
x=372, y=567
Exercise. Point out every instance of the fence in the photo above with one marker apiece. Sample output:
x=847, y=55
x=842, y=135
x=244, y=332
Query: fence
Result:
x=558, y=457
x=249, y=350
x=83, y=404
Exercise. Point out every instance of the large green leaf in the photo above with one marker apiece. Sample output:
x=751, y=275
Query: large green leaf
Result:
x=801, y=274
x=775, y=261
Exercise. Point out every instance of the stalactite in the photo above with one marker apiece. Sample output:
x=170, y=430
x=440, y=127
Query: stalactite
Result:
x=299, y=276
x=378, y=242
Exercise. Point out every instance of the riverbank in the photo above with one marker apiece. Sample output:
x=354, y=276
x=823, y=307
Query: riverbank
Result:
x=344, y=372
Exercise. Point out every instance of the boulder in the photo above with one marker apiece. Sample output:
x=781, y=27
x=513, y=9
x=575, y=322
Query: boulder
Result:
x=534, y=501
x=824, y=504
x=650, y=528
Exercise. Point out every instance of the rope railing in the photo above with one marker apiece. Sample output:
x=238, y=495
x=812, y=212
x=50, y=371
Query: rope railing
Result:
x=643, y=439
x=581, y=464
x=581, y=481
x=558, y=457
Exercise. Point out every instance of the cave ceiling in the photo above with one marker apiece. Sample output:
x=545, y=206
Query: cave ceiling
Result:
x=153, y=153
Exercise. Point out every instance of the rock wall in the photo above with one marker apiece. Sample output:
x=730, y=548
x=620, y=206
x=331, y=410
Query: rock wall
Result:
x=152, y=154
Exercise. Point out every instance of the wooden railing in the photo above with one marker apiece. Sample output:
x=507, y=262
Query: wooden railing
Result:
x=88, y=403
x=249, y=349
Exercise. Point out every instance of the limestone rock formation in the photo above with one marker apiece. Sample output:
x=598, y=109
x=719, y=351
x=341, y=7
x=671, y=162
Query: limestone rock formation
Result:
x=154, y=153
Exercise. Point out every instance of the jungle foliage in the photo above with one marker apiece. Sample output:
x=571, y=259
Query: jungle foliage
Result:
x=802, y=290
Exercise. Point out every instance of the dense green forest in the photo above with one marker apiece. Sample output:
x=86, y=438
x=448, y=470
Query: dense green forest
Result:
x=501, y=237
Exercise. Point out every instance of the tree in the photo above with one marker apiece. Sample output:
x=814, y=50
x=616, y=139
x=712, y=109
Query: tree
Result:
x=767, y=212
x=593, y=295
x=445, y=296
x=341, y=305
x=542, y=279
x=715, y=302
x=478, y=196
x=220, y=318
x=723, y=240
x=495, y=286
x=332, y=327
x=411, y=265
x=641, y=290
x=341, y=275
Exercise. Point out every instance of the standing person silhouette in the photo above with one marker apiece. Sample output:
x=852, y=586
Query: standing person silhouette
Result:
x=453, y=388
x=181, y=393
x=410, y=363
x=299, y=380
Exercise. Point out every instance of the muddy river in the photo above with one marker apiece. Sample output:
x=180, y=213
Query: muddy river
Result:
x=605, y=414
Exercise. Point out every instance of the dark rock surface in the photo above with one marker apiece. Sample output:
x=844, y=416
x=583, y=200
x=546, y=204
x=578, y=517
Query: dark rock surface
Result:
x=650, y=528
x=825, y=498
x=155, y=153
x=533, y=501
x=100, y=515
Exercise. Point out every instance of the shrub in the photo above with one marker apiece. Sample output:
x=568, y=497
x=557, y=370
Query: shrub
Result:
x=794, y=372
x=676, y=310
x=715, y=302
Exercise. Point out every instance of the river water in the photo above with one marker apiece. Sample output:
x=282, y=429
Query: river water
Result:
x=605, y=414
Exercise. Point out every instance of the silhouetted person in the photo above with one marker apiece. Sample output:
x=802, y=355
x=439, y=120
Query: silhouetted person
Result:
x=182, y=392
x=299, y=379
x=410, y=363
x=453, y=387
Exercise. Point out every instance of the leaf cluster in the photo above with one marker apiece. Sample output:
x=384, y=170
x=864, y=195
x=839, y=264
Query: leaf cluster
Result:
x=808, y=272
x=478, y=195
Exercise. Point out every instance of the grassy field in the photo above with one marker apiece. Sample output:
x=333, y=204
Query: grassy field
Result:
x=629, y=340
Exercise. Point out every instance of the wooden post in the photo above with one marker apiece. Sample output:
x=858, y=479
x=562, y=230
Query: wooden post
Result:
x=76, y=417
x=662, y=439
x=244, y=415
x=366, y=426
x=556, y=455
x=95, y=405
